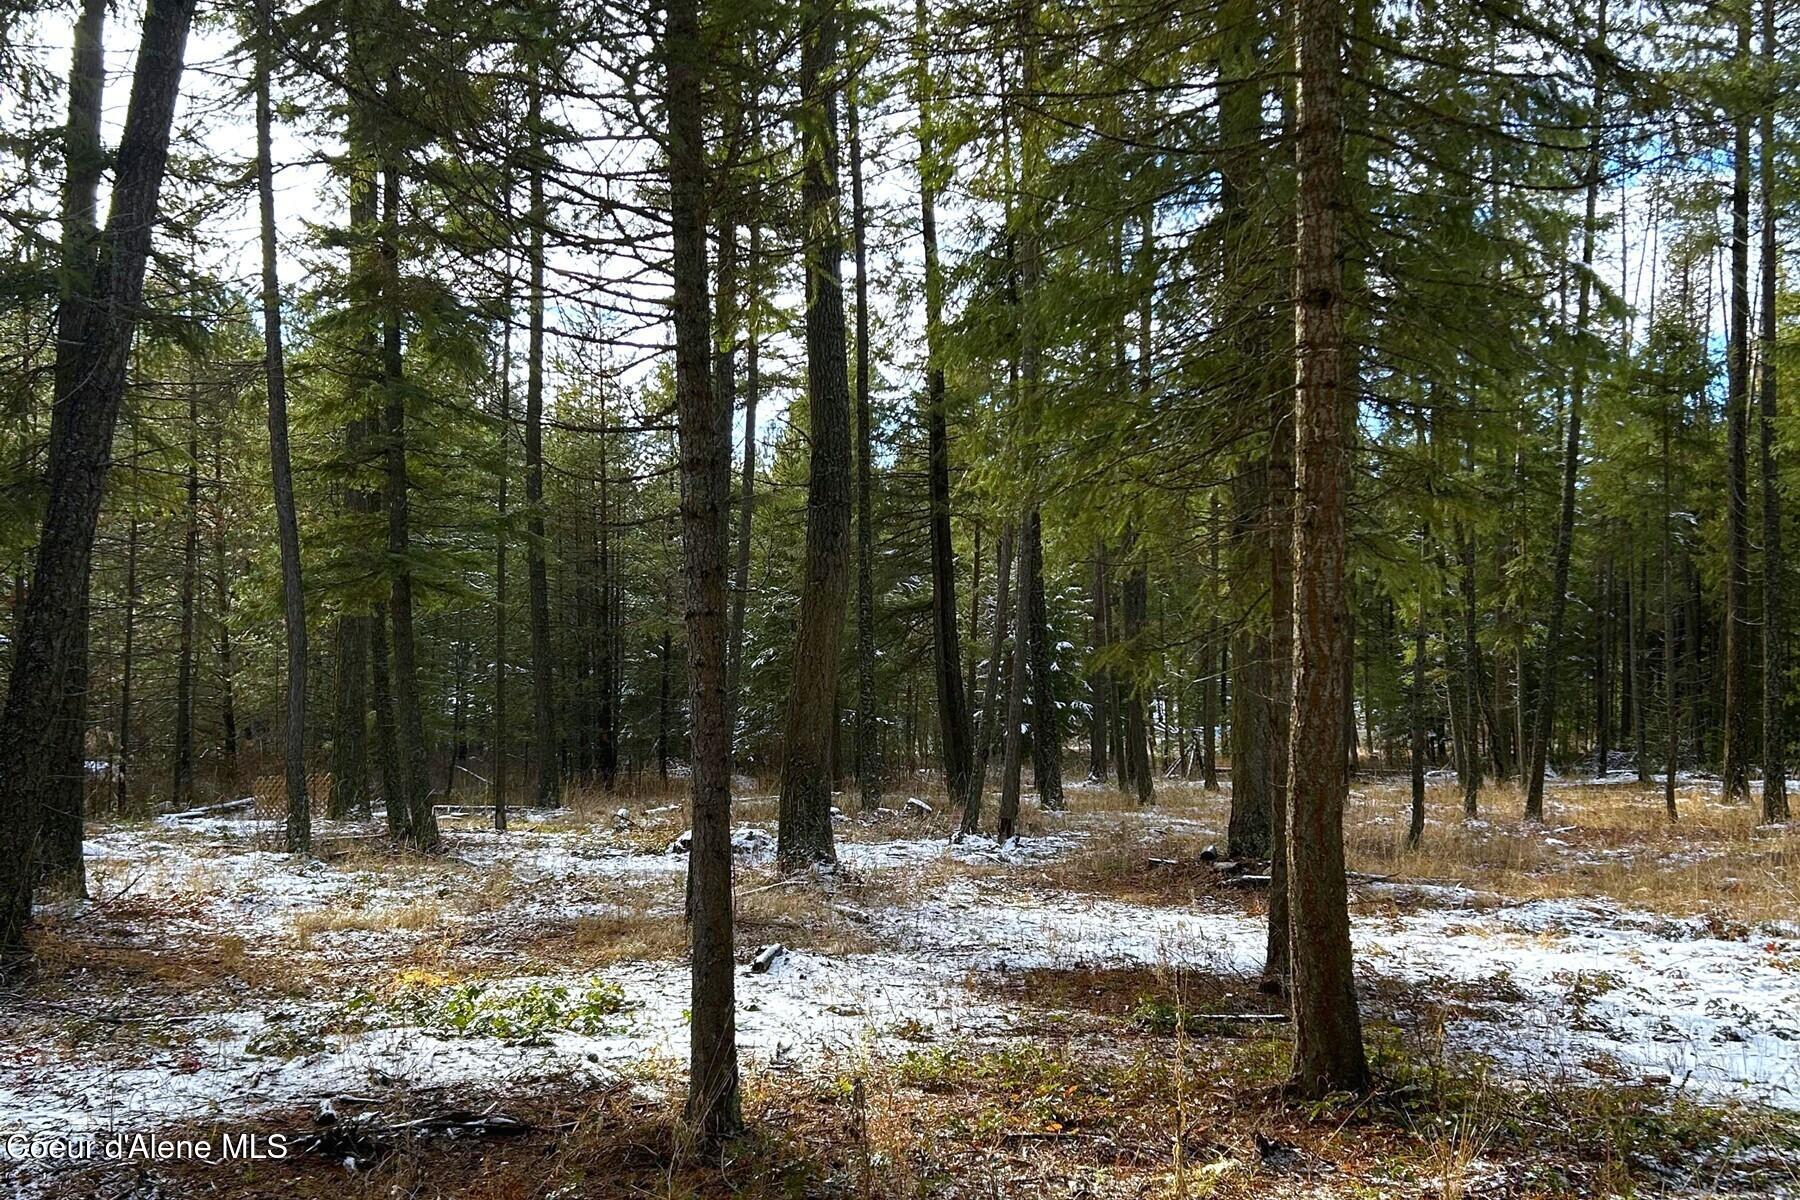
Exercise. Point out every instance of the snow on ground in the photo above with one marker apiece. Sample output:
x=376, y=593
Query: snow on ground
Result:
x=1545, y=988
x=1576, y=983
x=1576, y=986
x=806, y=1008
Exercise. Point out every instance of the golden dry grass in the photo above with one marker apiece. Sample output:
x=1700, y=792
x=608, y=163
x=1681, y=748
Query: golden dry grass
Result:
x=1714, y=861
x=419, y=915
x=796, y=913
x=1614, y=842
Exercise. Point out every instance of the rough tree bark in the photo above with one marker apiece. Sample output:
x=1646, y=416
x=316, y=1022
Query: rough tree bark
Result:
x=1415, y=717
x=49, y=630
x=1046, y=716
x=63, y=811
x=387, y=745
x=1328, y=1049
x=1253, y=540
x=1099, y=679
x=500, y=738
x=182, y=784
x=1280, y=698
x=287, y=525
x=1774, y=792
x=1137, y=734
x=228, y=730
x=1671, y=714
x=1734, y=774
x=122, y=774
x=990, y=725
x=1471, y=664
x=350, y=717
x=1034, y=627
x=868, y=729
x=1014, y=735
x=361, y=682
x=705, y=446
x=409, y=720
x=545, y=753
x=1210, y=663
x=740, y=585
x=803, y=830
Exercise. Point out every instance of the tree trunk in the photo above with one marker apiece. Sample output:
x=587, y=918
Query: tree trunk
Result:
x=662, y=708
x=990, y=707
x=1471, y=664
x=1328, y=1050
x=1415, y=830
x=228, y=731
x=1774, y=793
x=1253, y=536
x=387, y=745
x=122, y=772
x=1247, y=831
x=63, y=815
x=409, y=721
x=545, y=750
x=1014, y=746
x=868, y=750
x=1211, y=664
x=803, y=831
x=1137, y=733
x=1734, y=775
x=954, y=730
x=350, y=724
x=1639, y=701
x=1351, y=749
x=1046, y=719
x=500, y=737
x=1115, y=691
x=50, y=629
x=970, y=668
x=1602, y=675
x=1544, y=720
x=1671, y=715
x=705, y=443
x=607, y=750
x=1280, y=701
x=1099, y=679
x=740, y=587
x=63, y=810
x=181, y=789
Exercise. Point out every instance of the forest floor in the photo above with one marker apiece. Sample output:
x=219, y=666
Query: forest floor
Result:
x=1606, y=1003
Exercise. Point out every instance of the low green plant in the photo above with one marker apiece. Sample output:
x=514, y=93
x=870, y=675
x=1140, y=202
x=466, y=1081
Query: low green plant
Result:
x=476, y=1009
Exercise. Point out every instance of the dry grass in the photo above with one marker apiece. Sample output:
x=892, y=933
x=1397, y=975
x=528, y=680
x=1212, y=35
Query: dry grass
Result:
x=1154, y=1119
x=1713, y=862
x=414, y=917
x=74, y=960
x=1614, y=842
x=796, y=913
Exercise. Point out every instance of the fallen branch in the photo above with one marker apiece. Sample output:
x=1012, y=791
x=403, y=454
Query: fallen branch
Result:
x=790, y=881
x=213, y=810
x=111, y=1018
